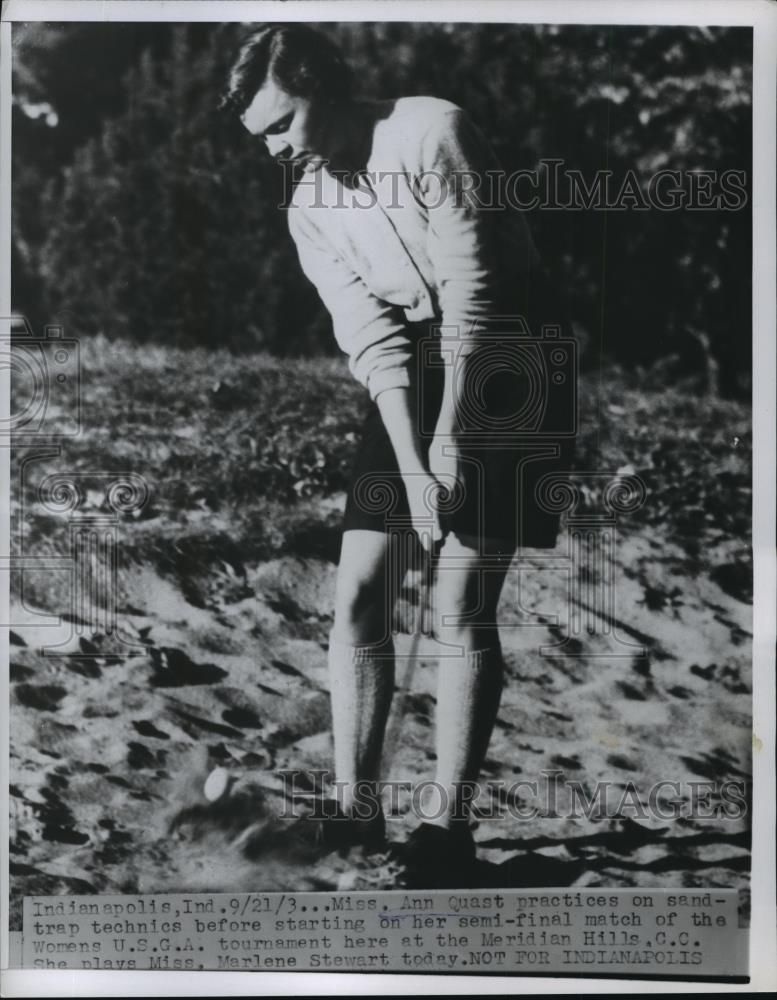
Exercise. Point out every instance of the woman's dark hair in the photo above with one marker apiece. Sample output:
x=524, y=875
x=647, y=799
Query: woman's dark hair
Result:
x=299, y=59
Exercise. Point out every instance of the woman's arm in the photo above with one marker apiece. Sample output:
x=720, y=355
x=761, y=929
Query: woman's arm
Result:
x=396, y=410
x=373, y=334
x=422, y=488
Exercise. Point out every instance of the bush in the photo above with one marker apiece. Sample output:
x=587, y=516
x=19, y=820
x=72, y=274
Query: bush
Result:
x=160, y=223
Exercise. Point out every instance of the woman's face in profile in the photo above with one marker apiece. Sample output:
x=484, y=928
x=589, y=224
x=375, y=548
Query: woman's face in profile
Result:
x=293, y=128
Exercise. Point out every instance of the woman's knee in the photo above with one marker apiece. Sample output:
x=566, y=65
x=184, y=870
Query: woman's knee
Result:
x=364, y=601
x=464, y=618
x=362, y=606
x=465, y=604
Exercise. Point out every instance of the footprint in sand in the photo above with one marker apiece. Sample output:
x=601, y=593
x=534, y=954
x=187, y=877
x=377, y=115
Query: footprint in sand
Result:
x=140, y=758
x=621, y=762
x=44, y=697
x=286, y=668
x=243, y=718
x=18, y=672
x=40, y=883
x=568, y=763
x=146, y=728
x=83, y=666
x=630, y=692
x=194, y=725
x=173, y=668
x=58, y=821
x=728, y=676
x=718, y=765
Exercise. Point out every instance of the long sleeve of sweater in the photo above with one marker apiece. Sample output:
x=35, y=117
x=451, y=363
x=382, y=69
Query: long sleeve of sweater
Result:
x=370, y=331
x=472, y=244
x=430, y=247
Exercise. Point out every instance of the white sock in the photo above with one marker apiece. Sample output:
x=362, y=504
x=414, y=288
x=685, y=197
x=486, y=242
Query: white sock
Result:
x=469, y=689
x=362, y=686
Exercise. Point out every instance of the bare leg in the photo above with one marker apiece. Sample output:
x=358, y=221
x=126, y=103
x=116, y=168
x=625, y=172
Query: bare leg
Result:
x=361, y=664
x=470, y=671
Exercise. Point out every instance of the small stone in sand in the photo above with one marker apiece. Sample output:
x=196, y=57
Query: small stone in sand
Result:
x=216, y=784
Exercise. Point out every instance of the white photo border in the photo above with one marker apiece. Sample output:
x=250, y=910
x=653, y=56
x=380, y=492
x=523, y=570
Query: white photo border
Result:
x=762, y=16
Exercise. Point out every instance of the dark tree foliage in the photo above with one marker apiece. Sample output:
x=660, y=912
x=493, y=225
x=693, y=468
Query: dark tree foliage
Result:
x=140, y=213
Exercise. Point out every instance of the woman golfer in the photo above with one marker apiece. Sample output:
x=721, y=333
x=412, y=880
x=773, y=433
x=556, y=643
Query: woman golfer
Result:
x=433, y=297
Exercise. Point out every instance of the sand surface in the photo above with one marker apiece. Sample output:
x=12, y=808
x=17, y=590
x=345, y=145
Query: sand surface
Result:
x=110, y=752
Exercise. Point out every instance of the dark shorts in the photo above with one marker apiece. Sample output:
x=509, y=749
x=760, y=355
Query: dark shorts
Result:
x=510, y=442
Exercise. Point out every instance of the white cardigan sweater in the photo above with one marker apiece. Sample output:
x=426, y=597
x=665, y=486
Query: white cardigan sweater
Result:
x=410, y=245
